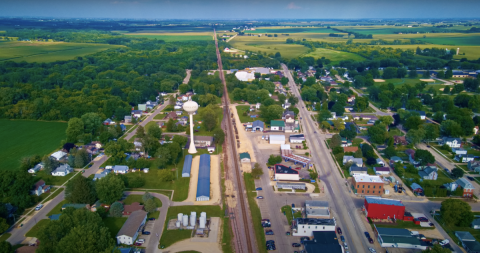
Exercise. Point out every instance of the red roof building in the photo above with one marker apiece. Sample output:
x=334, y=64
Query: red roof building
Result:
x=380, y=208
x=128, y=209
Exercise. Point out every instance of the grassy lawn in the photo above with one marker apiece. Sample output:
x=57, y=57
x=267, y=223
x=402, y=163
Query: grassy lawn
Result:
x=5, y=237
x=180, y=186
x=444, y=152
x=333, y=55
x=138, y=198
x=202, y=131
x=40, y=224
x=114, y=224
x=53, y=180
x=53, y=195
x=22, y=138
x=153, y=215
x=287, y=210
x=356, y=142
x=245, y=118
x=170, y=38
x=170, y=237
x=255, y=211
x=395, y=132
x=402, y=224
x=57, y=209
x=451, y=229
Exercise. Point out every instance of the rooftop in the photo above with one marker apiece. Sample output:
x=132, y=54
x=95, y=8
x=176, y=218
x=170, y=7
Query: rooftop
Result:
x=316, y=203
x=131, y=226
x=282, y=169
x=324, y=241
x=362, y=178
x=203, y=186
x=383, y=201
x=310, y=221
x=187, y=165
x=279, y=123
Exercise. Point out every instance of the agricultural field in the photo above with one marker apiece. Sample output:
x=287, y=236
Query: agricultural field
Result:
x=333, y=55
x=47, y=51
x=410, y=81
x=270, y=45
x=22, y=138
x=173, y=36
x=471, y=52
x=280, y=30
x=392, y=29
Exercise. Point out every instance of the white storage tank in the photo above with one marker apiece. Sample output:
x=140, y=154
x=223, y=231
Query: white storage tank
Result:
x=193, y=219
x=203, y=221
x=180, y=217
x=185, y=220
x=178, y=223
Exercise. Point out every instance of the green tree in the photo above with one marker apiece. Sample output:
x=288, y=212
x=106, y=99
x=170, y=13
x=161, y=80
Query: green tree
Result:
x=75, y=129
x=6, y=247
x=183, y=88
x=140, y=132
x=358, y=154
x=390, y=151
x=449, y=74
x=92, y=122
x=377, y=134
x=3, y=225
x=389, y=73
x=399, y=170
x=458, y=173
x=271, y=112
x=350, y=132
x=432, y=132
x=436, y=248
x=150, y=205
x=165, y=175
x=49, y=164
x=456, y=212
x=413, y=122
x=110, y=188
x=146, y=196
x=257, y=171
x=335, y=141
x=80, y=190
x=116, y=209
x=273, y=159
x=117, y=149
x=163, y=157
x=415, y=136
x=81, y=158
x=451, y=128
x=412, y=74
x=424, y=157
x=324, y=115
x=219, y=136
x=154, y=131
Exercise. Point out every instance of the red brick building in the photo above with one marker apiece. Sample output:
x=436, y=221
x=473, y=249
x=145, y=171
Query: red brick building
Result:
x=380, y=208
x=368, y=185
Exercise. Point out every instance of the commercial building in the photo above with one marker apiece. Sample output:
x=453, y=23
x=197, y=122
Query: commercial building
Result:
x=381, y=170
x=277, y=125
x=306, y=226
x=297, y=138
x=380, y=208
x=398, y=238
x=283, y=172
x=323, y=242
x=245, y=157
x=317, y=209
x=130, y=229
x=187, y=166
x=203, y=141
x=258, y=125
x=291, y=186
x=277, y=139
x=203, y=186
x=367, y=185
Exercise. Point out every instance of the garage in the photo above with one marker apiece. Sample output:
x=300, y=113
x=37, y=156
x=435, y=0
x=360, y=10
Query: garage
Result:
x=277, y=139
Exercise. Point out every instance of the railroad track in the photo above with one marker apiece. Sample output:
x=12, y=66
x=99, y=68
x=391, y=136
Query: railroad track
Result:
x=247, y=230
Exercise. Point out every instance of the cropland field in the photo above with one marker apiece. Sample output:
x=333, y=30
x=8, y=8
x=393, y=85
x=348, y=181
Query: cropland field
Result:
x=391, y=29
x=280, y=30
x=333, y=55
x=20, y=138
x=173, y=36
x=410, y=81
x=471, y=52
x=268, y=45
x=47, y=51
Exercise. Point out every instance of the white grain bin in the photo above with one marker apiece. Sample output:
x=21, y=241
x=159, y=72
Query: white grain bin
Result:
x=203, y=221
x=178, y=223
x=193, y=219
x=203, y=214
x=180, y=217
x=185, y=220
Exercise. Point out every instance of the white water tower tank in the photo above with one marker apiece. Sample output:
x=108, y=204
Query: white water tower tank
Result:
x=178, y=223
x=193, y=219
x=179, y=217
x=203, y=221
x=185, y=220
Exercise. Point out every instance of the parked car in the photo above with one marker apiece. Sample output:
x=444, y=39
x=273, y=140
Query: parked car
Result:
x=293, y=205
x=38, y=207
x=444, y=242
x=342, y=238
x=370, y=240
x=141, y=240
x=423, y=219
x=145, y=232
x=304, y=238
x=151, y=219
x=287, y=233
x=372, y=250
x=339, y=230
x=296, y=245
x=260, y=197
x=258, y=189
x=269, y=232
x=367, y=234
x=138, y=244
x=345, y=245
x=470, y=178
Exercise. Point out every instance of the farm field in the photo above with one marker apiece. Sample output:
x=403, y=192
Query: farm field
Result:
x=280, y=30
x=333, y=55
x=402, y=81
x=173, y=36
x=47, y=51
x=22, y=138
x=471, y=52
x=390, y=29
x=268, y=45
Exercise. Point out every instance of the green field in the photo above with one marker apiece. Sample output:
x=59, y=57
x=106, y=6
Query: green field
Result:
x=47, y=51
x=280, y=30
x=114, y=225
x=269, y=45
x=138, y=198
x=410, y=81
x=169, y=38
x=473, y=40
x=333, y=55
x=22, y=138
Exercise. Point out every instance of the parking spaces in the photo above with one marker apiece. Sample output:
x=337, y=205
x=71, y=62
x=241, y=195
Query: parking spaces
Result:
x=424, y=222
x=148, y=227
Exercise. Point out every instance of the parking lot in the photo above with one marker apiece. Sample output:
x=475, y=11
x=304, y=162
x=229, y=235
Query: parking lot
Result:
x=148, y=227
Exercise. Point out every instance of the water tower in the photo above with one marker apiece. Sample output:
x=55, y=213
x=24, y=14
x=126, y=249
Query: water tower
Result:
x=191, y=107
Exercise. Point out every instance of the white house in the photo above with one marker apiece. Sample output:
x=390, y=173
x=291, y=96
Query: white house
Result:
x=381, y=170
x=379, y=161
x=62, y=171
x=451, y=142
x=283, y=172
x=464, y=158
x=357, y=161
x=257, y=106
x=132, y=227
x=476, y=223
x=137, y=113
x=58, y=155
x=120, y=169
x=334, y=116
x=35, y=169
x=306, y=226
x=298, y=138
x=428, y=173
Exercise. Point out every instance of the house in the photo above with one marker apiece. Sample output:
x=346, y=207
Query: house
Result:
x=257, y=106
x=398, y=238
x=286, y=105
x=354, y=170
x=129, y=209
x=475, y=130
x=36, y=168
x=203, y=141
x=131, y=228
x=468, y=241
x=179, y=113
x=245, y=157
x=317, y=209
x=59, y=155
x=350, y=149
x=62, y=170
x=411, y=156
x=171, y=115
x=380, y=162
x=324, y=241
x=416, y=188
x=137, y=113
x=291, y=127
x=464, y=158
x=306, y=226
x=277, y=125
x=452, y=186
x=367, y=185
x=27, y=249
x=288, y=113
x=98, y=204
x=474, y=165
x=428, y=174
x=346, y=143
x=459, y=151
x=108, y=122
x=476, y=223
x=333, y=117
x=40, y=187
x=120, y=169
x=283, y=172
x=384, y=209
x=297, y=138
x=123, y=127
x=381, y=170
x=395, y=159
x=142, y=107
x=400, y=140
x=466, y=186
x=357, y=161
x=420, y=113
x=258, y=125
x=451, y=142
x=101, y=175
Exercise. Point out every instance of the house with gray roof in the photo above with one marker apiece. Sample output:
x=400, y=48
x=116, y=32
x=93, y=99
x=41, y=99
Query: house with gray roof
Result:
x=62, y=170
x=258, y=125
x=428, y=174
x=132, y=227
x=101, y=175
x=467, y=187
x=399, y=237
x=474, y=165
x=357, y=161
x=451, y=142
x=468, y=241
x=464, y=158
x=120, y=169
x=317, y=209
x=355, y=170
x=476, y=223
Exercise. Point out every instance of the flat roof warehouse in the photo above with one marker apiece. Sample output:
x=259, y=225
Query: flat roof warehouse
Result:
x=203, y=186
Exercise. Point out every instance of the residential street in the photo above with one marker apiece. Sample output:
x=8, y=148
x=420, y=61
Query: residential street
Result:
x=377, y=111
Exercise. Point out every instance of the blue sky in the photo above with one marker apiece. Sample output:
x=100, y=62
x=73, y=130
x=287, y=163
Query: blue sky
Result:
x=242, y=9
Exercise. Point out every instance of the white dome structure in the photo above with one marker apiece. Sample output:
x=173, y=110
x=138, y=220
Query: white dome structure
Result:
x=191, y=107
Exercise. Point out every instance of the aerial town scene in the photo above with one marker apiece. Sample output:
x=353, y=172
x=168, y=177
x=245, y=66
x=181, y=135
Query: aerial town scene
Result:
x=305, y=126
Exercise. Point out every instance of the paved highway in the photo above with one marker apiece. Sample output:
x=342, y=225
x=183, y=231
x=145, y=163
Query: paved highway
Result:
x=340, y=201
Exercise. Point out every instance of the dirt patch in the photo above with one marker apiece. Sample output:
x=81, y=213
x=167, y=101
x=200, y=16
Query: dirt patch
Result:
x=427, y=80
x=429, y=233
x=379, y=80
x=188, y=245
x=247, y=167
x=192, y=190
x=230, y=194
x=245, y=143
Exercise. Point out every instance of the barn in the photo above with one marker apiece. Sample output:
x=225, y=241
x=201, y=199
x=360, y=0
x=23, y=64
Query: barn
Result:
x=203, y=186
x=187, y=166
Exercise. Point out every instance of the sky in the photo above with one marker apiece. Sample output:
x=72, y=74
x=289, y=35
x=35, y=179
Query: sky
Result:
x=241, y=9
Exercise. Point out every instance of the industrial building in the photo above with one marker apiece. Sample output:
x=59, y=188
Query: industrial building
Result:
x=203, y=186
x=381, y=208
x=277, y=139
x=398, y=238
x=317, y=209
x=291, y=186
x=323, y=242
x=283, y=172
x=130, y=229
x=288, y=155
x=187, y=166
x=297, y=138
x=306, y=226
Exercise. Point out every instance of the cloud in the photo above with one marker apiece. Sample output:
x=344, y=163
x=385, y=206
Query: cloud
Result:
x=293, y=6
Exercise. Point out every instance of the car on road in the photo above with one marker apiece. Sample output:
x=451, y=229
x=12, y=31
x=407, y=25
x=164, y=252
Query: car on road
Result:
x=296, y=245
x=428, y=146
x=38, y=207
x=367, y=235
x=151, y=219
x=260, y=197
x=444, y=242
x=258, y=189
x=345, y=245
x=372, y=250
x=470, y=178
x=269, y=232
x=138, y=244
x=314, y=132
x=293, y=205
x=287, y=233
x=342, y=238
x=145, y=232
x=141, y=240
x=339, y=230
x=370, y=240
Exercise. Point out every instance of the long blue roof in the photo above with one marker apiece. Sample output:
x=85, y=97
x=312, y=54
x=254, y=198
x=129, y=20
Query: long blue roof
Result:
x=203, y=186
x=383, y=201
x=187, y=165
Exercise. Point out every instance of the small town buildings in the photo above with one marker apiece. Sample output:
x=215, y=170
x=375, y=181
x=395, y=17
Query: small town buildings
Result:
x=40, y=187
x=476, y=223
x=257, y=106
x=317, y=209
x=395, y=159
x=466, y=186
x=468, y=241
x=291, y=186
x=420, y=113
x=187, y=166
x=451, y=142
x=129, y=209
x=211, y=149
x=258, y=125
x=297, y=138
x=62, y=170
x=459, y=151
x=452, y=186
x=108, y=122
x=350, y=149
x=384, y=209
x=137, y=113
x=277, y=139
x=101, y=175
x=464, y=158
x=203, y=141
x=398, y=238
x=59, y=155
x=277, y=125
x=411, y=156
x=346, y=143
x=120, y=169
x=474, y=165
x=355, y=170
x=400, y=140
x=380, y=162
x=368, y=185
x=323, y=241
x=283, y=172
x=171, y=115
x=245, y=157
x=36, y=168
x=131, y=228
x=416, y=188
x=306, y=226
x=357, y=161
x=381, y=170
x=142, y=107
x=428, y=173
x=245, y=76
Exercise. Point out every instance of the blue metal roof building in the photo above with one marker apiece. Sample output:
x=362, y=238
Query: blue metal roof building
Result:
x=382, y=201
x=203, y=186
x=187, y=166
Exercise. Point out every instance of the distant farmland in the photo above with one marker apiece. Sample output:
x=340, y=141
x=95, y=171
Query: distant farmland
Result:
x=334, y=55
x=47, y=51
x=20, y=138
x=168, y=37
